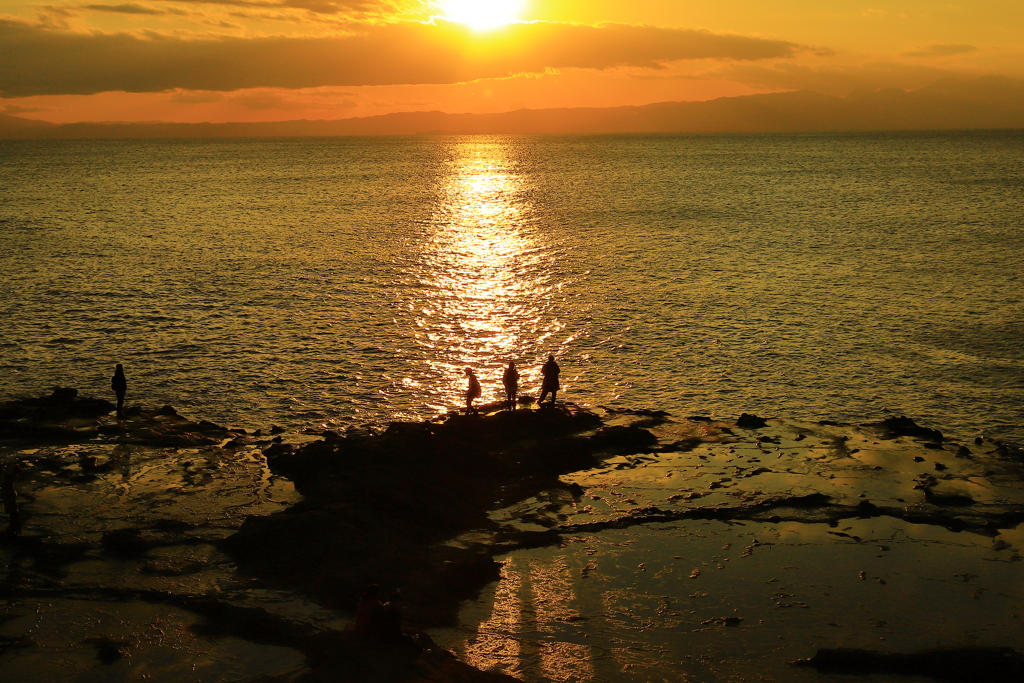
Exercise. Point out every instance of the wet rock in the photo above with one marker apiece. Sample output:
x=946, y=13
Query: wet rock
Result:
x=109, y=650
x=376, y=505
x=751, y=421
x=632, y=439
x=724, y=621
x=955, y=665
x=963, y=452
x=167, y=410
x=125, y=542
x=946, y=499
x=64, y=394
x=894, y=427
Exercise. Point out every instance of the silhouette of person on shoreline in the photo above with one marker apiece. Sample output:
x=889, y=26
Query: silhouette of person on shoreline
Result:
x=370, y=612
x=472, y=391
x=120, y=386
x=549, y=371
x=391, y=624
x=10, y=497
x=510, y=380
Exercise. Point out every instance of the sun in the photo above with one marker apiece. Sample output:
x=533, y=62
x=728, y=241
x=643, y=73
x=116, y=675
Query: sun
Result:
x=481, y=15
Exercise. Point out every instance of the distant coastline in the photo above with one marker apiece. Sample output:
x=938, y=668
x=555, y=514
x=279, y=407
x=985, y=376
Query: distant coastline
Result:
x=989, y=102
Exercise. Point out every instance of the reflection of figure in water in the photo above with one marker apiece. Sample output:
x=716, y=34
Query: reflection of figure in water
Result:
x=550, y=372
x=511, y=381
x=10, y=497
x=472, y=391
x=370, y=612
x=120, y=385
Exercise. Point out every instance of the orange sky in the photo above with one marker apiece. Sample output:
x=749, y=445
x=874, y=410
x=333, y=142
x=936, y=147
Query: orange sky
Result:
x=266, y=60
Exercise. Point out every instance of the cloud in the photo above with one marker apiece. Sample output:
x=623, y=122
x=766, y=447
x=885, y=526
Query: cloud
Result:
x=332, y=7
x=839, y=79
x=132, y=8
x=195, y=97
x=14, y=109
x=37, y=61
x=941, y=50
x=261, y=100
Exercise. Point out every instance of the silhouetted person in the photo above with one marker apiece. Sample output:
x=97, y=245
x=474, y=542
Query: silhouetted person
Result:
x=10, y=497
x=550, y=384
x=472, y=391
x=391, y=624
x=370, y=612
x=511, y=382
x=120, y=386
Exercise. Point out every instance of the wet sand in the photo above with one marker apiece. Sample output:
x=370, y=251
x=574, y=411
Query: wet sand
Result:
x=546, y=544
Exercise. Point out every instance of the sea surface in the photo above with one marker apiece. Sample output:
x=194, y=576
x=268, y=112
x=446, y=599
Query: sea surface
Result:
x=349, y=281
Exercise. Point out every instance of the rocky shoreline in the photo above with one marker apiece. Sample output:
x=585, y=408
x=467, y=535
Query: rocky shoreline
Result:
x=236, y=528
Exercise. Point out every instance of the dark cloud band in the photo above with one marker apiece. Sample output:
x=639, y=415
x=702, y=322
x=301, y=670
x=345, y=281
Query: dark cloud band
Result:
x=36, y=61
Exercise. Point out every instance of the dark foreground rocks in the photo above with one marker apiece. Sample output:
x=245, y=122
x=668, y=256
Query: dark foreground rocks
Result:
x=381, y=508
x=953, y=664
x=64, y=417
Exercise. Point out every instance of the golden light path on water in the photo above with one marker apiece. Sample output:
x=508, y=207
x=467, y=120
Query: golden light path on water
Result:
x=532, y=599
x=480, y=289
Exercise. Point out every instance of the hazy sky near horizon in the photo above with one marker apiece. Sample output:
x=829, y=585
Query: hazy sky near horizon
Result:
x=264, y=60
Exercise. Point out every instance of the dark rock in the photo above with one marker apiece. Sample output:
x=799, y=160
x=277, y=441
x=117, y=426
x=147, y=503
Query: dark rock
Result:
x=167, y=410
x=111, y=429
x=751, y=421
x=377, y=508
x=109, y=650
x=903, y=426
x=946, y=499
x=953, y=665
x=867, y=506
x=963, y=452
x=64, y=394
x=275, y=429
x=632, y=438
x=124, y=542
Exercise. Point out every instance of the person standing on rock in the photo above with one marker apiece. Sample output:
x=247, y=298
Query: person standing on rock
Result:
x=369, y=612
x=511, y=382
x=120, y=386
x=472, y=391
x=549, y=371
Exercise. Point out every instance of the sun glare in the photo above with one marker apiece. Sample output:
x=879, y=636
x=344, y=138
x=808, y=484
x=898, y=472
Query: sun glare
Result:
x=482, y=15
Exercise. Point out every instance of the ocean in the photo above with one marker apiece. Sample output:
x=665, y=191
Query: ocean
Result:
x=339, y=282
x=348, y=281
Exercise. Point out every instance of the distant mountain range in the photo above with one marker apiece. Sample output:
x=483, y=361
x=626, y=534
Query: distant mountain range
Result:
x=948, y=104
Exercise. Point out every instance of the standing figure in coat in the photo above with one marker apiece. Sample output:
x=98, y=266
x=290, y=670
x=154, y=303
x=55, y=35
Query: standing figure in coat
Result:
x=120, y=386
x=550, y=384
x=511, y=382
x=472, y=391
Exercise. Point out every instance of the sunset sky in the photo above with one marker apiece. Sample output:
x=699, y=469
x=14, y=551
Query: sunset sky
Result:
x=266, y=60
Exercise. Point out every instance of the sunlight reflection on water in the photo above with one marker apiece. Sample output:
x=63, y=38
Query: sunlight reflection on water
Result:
x=348, y=281
x=478, y=284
